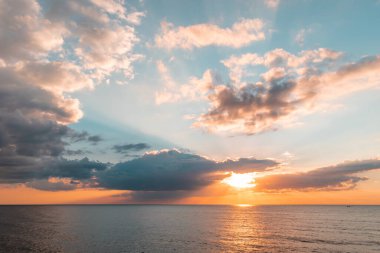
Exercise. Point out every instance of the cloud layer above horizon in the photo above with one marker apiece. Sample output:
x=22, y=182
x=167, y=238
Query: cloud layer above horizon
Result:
x=223, y=75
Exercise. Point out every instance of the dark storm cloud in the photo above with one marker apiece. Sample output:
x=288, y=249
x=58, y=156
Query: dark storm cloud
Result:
x=340, y=177
x=22, y=135
x=21, y=169
x=32, y=139
x=18, y=169
x=74, y=169
x=172, y=170
x=124, y=149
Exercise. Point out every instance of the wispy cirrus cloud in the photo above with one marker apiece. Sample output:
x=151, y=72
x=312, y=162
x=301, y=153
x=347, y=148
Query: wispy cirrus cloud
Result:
x=301, y=34
x=238, y=35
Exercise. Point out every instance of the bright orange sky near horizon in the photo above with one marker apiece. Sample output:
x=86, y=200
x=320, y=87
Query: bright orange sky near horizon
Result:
x=218, y=194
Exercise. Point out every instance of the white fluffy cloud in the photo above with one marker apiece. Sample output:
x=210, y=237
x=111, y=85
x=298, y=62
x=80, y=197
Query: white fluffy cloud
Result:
x=57, y=77
x=25, y=33
x=105, y=35
x=238, y=35
x=238, y=65
x=68, y=46
x=194, y=89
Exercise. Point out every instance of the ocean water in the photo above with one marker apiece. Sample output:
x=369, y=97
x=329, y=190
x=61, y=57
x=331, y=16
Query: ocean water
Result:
x=167, y=228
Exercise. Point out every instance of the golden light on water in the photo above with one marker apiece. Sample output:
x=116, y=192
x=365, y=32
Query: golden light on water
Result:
x=241, y=181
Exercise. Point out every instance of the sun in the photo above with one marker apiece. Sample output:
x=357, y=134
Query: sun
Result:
x=241, y=181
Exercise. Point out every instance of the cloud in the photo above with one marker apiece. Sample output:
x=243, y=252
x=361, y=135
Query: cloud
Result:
x=105, y=39
x=300, y=36
x=17, y=95
x=126, y=148
x=25, y=34
x=16, y=168
x=30, y=35
x=171, y=170
x=135, y=17
x=77, y=152
x=46, y=53
x=194, y=89
x=73, y=169
x=94, y=139
x=56, y=77
x=75, y=136
x=111, y=7
x=165, y=75
x=52, y=184
x=339, y=177
x=238, y=66
x=272, y=3
x=292, y=85
x=106, y=51
x=240, y=34
x=33, y=124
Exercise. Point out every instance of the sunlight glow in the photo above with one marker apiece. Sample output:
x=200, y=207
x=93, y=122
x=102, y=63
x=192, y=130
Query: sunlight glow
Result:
x=240, y=181
x=243, y=205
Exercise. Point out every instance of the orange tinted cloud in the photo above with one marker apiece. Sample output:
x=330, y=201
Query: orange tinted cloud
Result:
x=292, y=86
x=240, y=34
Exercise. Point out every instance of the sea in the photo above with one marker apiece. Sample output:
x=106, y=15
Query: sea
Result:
x=189, y=228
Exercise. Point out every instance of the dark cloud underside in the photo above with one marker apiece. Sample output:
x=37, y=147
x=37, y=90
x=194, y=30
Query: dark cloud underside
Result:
x=340, y=177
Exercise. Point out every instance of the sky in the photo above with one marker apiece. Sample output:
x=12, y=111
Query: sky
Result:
x=189, y=102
